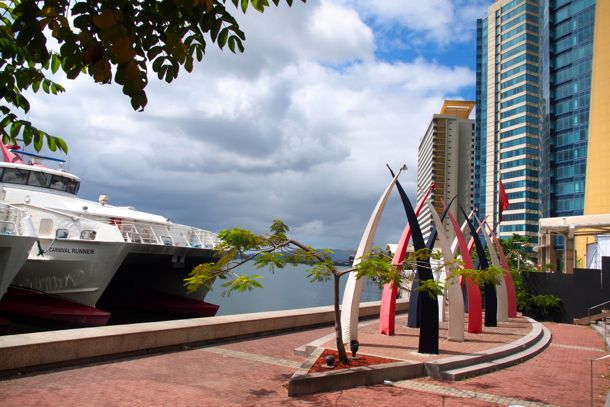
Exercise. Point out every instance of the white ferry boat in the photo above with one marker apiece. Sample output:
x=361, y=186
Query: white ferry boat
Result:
x=17, y=236
x=85, y=244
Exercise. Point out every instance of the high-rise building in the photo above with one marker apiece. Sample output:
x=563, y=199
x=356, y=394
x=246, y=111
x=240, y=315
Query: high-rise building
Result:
x=445, y=160
x=534, y=64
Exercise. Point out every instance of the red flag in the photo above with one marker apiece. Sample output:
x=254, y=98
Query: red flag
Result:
x=502, y=202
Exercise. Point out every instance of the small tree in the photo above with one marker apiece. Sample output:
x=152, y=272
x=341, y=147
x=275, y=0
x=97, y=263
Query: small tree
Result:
x=276, y=250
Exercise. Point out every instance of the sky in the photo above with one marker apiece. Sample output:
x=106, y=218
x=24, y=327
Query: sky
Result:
x=299, y=127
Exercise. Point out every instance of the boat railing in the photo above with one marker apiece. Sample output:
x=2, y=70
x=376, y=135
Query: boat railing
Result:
x=139, y=233
x=168, y=235
x=194, y=237
x=11, y=220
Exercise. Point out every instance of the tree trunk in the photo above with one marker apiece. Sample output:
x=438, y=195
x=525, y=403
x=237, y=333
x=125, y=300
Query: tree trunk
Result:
x=338, y=332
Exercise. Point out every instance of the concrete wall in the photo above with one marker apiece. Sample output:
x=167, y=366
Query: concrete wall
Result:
x=72, y=346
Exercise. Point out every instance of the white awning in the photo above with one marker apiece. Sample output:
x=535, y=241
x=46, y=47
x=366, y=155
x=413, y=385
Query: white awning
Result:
x=577, y=225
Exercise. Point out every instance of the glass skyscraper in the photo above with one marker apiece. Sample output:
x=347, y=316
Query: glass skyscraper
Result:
x=533, y=86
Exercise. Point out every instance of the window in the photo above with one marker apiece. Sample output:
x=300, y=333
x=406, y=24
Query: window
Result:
x=39, y=179
x=88, y=235
x=527, y=67
x=519, y=120
x=64, y=184
x=61, y=234
x=517, y=131
x=15, y=176
x=519, y=141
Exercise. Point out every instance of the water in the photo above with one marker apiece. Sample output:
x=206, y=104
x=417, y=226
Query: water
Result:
x=284, y=289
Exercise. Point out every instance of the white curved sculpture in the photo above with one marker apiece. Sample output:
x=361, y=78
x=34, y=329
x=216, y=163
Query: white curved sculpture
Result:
x=350, y=307
x=502, y=297
x=455, y=331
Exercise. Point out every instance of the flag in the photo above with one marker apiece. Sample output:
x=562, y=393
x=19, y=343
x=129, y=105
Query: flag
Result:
x=502, y=202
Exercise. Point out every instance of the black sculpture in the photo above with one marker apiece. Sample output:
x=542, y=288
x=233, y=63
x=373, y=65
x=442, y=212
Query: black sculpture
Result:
x=428, y=305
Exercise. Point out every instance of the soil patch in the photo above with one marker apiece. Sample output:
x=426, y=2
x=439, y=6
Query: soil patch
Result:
x=362, y=360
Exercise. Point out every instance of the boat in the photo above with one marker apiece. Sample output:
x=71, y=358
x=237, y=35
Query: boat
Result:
x=153, y=254
x=73, y=258
x=17, y=237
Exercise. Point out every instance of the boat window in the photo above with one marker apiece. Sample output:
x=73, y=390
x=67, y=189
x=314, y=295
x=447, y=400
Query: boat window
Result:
x=88, y=234
x=64, y=184
x=72, y=186
x=61, y=234
x=57, y=182
x=39, y=179
x=15, y=175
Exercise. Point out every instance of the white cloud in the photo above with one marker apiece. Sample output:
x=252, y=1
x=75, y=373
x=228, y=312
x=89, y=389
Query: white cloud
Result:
x=439, y=21
x=300, y=127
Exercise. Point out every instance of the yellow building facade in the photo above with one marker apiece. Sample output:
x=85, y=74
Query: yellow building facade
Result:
x=597, y=184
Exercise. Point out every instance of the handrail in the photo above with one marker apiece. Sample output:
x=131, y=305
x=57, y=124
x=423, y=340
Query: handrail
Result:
x=595, y=306
x=167, y=234
x=13, y=216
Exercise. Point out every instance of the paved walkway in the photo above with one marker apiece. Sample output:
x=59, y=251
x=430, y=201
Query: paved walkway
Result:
x=255, y=372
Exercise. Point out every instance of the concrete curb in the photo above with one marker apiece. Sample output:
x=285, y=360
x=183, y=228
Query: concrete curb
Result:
x=44, y=350
x=463, y=366
x=302, y=382
x=451, y=368
x=459, y=367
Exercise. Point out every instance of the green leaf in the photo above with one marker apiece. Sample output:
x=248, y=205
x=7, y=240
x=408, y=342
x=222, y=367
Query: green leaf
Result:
x=55, y=63
x=216, y=25
x=37, y=139
x=232, y=43
x=15, y=129
x=259, y=5
x=51, y=143
x=27, y=135
x=222, y=37
x=61, y=144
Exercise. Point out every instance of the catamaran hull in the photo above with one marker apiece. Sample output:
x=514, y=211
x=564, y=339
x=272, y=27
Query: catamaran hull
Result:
x=151, y=279
x=14, y=252
x=78, y=271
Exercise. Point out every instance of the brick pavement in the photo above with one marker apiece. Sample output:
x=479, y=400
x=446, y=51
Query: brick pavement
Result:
x=255, y=372
x=561, y=375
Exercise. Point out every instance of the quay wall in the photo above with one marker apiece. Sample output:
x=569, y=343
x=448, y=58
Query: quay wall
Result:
x=44, y=350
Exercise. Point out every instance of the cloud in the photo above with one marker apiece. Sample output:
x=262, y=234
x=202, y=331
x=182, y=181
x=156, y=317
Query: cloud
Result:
x=438, y=21
x=300, y=127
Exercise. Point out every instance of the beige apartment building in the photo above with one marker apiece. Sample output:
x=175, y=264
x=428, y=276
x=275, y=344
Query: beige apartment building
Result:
x=445, y=160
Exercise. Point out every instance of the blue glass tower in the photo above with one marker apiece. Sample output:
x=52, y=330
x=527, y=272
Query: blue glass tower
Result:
x=533, y=85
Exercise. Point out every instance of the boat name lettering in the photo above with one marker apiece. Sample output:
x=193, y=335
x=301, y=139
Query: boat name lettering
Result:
x=72, y=250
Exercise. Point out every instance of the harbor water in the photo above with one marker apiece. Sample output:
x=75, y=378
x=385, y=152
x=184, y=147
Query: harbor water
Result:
x=283, y=289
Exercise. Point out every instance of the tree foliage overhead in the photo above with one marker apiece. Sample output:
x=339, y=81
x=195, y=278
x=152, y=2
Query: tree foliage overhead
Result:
x=108, y=40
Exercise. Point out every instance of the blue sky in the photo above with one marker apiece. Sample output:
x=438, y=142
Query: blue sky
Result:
x=299, y=127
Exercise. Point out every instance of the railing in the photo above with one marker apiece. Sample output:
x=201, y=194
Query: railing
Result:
x=168, y=235
x=10, y=220
x=603, y=304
